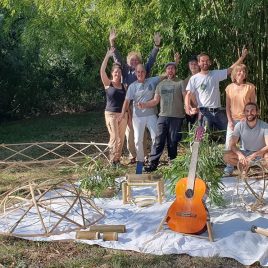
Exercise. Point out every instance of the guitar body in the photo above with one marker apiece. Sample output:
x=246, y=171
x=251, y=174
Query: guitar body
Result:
x=188, y=214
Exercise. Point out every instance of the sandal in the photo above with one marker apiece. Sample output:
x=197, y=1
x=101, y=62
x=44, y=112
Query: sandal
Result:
x=132, y=161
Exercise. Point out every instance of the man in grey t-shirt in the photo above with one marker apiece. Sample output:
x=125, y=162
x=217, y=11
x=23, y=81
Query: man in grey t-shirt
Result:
x=142, y=90
x=253, y=136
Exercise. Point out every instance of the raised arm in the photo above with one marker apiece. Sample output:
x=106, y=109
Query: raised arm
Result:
x=152, y=57
x=116, y=55
x=240, y=60
x=177, y=58
x=104, y=77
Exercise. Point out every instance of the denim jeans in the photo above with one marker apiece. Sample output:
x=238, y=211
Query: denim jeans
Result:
x=217, y=119
x=167, y=130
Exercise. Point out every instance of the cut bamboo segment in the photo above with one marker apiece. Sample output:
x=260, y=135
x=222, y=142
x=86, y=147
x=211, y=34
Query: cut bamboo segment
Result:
x=89, y=235
x=108, y=228
x=110, y=236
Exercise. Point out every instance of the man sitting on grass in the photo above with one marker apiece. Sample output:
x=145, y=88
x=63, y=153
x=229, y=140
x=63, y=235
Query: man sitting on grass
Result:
x=252, y=134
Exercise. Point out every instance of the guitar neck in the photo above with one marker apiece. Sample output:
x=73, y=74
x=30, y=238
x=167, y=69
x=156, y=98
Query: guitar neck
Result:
x=193, y=164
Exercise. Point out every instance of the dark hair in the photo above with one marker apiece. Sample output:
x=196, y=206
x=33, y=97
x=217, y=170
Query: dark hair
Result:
x=192, y=58
x=201, y=55
x=253, y=104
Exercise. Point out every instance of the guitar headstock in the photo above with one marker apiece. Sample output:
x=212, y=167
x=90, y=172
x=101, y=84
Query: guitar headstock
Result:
x=199, y=133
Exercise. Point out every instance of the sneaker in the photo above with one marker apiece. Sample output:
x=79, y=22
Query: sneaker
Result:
x=228, y=170
x=116, y=164
x=150, y=168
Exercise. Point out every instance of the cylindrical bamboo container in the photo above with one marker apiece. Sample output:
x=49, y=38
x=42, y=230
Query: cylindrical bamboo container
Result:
x=108, y=228
x=110, y=236
x=89, y=235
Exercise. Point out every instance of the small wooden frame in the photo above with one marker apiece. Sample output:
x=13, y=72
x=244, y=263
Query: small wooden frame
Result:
x=210, y=236
x=142, y=180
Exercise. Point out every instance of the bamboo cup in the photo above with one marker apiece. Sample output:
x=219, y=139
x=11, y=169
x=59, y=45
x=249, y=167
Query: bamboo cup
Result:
x=88, y=235
x=110, y=236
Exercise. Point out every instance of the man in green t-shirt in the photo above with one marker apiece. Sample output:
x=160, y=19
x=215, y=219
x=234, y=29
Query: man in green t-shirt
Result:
x=170, y=94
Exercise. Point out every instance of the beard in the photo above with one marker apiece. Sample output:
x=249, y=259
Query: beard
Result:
x=251, y=118
x=205, y=68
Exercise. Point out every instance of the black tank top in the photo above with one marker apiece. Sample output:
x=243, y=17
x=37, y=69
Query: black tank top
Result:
x=115, y=98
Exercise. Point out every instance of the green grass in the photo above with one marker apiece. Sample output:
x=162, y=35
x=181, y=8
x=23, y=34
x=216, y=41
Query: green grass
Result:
x=84, y=127
x=16, y=252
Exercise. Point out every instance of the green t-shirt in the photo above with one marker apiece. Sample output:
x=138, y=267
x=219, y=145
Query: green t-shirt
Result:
x=171, y=98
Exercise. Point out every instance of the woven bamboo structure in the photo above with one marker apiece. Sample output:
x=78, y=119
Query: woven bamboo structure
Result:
x=47, y=208
x=252, y=186
x=50, y=154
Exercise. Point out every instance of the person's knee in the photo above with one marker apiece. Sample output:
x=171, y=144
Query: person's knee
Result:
x=227, y=157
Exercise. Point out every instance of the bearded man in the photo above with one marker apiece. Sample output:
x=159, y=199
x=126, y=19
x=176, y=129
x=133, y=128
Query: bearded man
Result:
x=253, y=136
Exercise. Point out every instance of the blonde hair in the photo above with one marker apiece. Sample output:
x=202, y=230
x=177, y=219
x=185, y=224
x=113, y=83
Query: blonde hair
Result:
x=131, y=54
x=237, y=68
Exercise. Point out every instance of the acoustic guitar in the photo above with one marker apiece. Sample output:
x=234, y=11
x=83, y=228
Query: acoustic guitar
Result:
x=188, y=213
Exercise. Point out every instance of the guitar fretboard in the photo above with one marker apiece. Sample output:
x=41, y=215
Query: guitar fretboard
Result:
x=193, y=164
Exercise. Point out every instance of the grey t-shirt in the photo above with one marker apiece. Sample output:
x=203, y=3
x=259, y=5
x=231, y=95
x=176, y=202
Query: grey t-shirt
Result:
x=171, y=98
x=251, y=139
x=142, y=92
x=206, y=88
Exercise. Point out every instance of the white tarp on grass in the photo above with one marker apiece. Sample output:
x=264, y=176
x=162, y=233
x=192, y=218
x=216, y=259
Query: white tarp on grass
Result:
x=231, y=228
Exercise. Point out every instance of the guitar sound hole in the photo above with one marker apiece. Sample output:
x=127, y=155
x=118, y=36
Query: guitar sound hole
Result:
x=189, y=193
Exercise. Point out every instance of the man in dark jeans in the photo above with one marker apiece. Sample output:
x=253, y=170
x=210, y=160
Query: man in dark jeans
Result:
x=203, y=88
x=170, y=94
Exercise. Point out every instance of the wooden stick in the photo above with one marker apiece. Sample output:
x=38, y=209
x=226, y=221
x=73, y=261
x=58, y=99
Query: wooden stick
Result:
x=210, y=232
x=259, y=230
x=108, y=228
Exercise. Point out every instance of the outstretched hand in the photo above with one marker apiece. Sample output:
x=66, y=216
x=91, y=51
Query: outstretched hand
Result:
x=177, y=58
x=112, y=37
x=157, y=39
x=110, y=52
x=244, y=52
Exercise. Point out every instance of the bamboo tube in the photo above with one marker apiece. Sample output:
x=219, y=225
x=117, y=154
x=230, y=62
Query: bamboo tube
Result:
x=108, y=228
x=89, y=235
x=259, y=230
x=110, y=236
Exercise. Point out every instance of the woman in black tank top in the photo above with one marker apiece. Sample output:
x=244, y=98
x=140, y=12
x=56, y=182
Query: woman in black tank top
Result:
x=115, y=96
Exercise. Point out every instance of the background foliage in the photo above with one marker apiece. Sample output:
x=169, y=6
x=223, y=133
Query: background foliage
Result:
x=51, y=51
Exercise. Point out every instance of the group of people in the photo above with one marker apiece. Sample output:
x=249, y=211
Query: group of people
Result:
x=133, y=97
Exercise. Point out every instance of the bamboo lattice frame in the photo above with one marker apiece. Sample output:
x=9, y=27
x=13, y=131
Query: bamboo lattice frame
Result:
x=252, y=196
x=50, y=154
x=57, y=206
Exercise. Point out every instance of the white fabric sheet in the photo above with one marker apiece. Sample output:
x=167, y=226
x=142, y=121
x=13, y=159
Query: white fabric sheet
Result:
x=231, y=228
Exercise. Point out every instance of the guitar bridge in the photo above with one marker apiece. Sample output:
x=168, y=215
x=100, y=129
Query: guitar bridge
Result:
x=186, y=214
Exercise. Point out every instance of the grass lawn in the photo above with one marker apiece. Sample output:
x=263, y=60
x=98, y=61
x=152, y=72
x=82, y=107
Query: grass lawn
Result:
x=16, y=252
